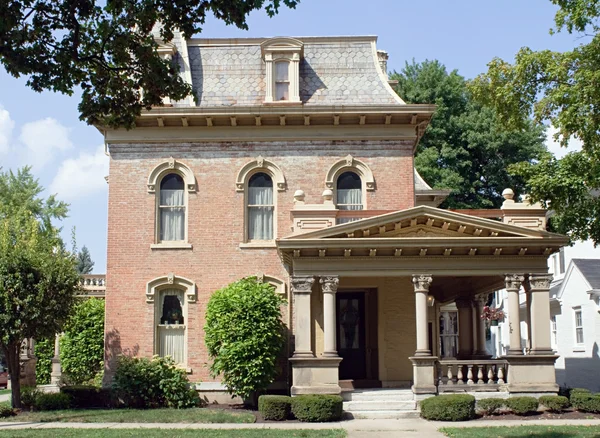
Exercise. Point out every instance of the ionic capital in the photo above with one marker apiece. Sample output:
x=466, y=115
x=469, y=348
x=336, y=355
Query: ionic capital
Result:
x=329, y=285
x=540, y=281
x=421, y=282
x=302, y=284
x=513, y=281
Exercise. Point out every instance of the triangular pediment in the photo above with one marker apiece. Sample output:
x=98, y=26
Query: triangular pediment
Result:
x=425, y=222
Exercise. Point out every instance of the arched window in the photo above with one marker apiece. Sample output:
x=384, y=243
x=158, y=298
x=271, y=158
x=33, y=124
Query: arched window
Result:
x=260, y=207
x=349, y=192
x=170, y=329
x=171, y=209
x=282, y=80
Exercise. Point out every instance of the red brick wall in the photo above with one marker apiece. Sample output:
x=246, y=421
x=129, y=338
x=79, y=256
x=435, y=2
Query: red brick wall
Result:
x=216, y=225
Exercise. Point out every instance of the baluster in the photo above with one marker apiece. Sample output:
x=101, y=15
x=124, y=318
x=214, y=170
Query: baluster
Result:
x=501, y=375
x=450, y=375
x=460, y=376
x=469, y=374
x=479, y=374
x=490, y=374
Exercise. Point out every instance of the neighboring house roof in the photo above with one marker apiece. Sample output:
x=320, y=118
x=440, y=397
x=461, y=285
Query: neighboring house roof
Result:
x=426, y=195
x=333, y=71
x=590, y=269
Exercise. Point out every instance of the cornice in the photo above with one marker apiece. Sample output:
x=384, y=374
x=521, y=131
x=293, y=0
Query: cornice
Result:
x=219, y=42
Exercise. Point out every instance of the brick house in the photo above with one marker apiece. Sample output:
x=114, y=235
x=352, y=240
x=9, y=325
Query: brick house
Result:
x=295, y=164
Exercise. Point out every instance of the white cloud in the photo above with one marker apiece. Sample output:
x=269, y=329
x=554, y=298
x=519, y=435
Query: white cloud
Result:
x=553, y=146
x=6, y=127
x=81, y=176
x=43, y=139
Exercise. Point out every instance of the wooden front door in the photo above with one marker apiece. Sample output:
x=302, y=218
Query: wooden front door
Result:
x=351, y=339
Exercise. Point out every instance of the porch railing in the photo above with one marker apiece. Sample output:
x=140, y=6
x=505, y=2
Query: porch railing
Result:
x=471, y=375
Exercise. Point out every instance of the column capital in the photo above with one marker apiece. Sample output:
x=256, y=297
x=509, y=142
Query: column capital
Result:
x=329, y=284
x=481, y=299
x=422, y=282
x=302, y=284
x=539, y=281
x=463, y=302
x=513, y=281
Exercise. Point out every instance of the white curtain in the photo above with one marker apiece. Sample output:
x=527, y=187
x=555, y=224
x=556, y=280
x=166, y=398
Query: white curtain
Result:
x=172, y=215
x=260, y=213
x=171, y=340
x=349, y=196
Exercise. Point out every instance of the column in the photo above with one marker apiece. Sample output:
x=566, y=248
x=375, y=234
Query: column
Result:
x=539, y=290
x=329, y=286
x=480, y=302
x=421, y=284
x=56, y=373
x=465, y=327
x=527, y=290
x=301, y=289
x=513, y=285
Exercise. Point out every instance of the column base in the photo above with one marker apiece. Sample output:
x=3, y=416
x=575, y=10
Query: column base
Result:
x=532, y=374
x=423, y=353
x=303, y=354
x=538, y=352
x=424, y=374
x=330, y=354
x=315, y=375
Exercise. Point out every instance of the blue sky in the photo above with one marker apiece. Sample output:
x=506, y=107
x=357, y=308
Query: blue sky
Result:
x=44, y=129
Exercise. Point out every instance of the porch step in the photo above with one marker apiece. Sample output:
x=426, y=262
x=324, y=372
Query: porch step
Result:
x=382, y=394
x=380, y=404
x=380, y=415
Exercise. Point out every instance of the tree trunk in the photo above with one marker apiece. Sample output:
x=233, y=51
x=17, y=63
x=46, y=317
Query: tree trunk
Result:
x=14, y=370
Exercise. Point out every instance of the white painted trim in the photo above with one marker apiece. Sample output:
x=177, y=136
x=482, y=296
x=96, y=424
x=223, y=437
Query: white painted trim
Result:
x=171, y=166
x=171, y=245
x=353, y=165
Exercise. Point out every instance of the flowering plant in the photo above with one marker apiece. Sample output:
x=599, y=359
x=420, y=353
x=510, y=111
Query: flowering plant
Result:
x=492, y=314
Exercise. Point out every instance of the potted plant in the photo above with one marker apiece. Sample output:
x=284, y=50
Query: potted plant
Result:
x=492, y=315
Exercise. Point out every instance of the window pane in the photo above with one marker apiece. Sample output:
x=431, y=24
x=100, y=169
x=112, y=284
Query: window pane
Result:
x=171, y=342
x=260, y=180
x=172, y=197
x=282, y=91
x=579, y=335
x=172, y=181
x=282, y=70
x=171, y=310
x=260, y=223
x=349, y=180
x=172, y=223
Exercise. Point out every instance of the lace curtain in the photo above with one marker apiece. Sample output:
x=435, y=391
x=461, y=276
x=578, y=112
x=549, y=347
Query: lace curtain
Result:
x=171, y=337
x=172, y=215
x=260, y=213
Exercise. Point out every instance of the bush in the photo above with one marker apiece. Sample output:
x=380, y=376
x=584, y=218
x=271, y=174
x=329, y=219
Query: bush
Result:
x=317, y=408
x=153, y=383
x=52, y=401
x=83, y=397
x=450, y=407
x=245, y=335
x=586, y=402
x=555, y=403
x=44, y=352
x=522, y=405
x=5, y=412
x=489, y=406
x=275, y=407
x=29, y=395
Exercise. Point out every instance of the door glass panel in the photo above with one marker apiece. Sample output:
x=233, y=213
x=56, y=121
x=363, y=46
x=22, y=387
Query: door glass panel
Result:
x=349, y=324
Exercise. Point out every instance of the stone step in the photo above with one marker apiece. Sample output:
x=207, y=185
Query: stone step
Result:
x=378, y=394
x=380, y=405
x=380, y=415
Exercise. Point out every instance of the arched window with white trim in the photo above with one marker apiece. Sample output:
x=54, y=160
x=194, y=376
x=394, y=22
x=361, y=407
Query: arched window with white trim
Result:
x=170, y=329
x=171, y=209
x=349, y=194
x=261, y=207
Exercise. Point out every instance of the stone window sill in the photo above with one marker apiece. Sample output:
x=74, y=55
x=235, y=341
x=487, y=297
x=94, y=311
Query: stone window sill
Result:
x=258, y=245
x=579, y=349
x=171, y=245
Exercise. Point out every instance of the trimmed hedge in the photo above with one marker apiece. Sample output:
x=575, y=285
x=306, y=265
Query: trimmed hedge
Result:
x=85, y=396
x=52, y=402
x=317, y=408
x=554, y=403
x=586, y=402
x=449, y=407
x=522, y=405
x=275, y=407
x=489, y=406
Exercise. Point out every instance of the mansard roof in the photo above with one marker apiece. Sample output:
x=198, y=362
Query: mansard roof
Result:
x=333, y=71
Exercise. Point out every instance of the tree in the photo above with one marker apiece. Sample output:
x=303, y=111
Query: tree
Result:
x=245, y=335
x=106, y=48
x=38, y=279
x=84, y=261
x=465, y=148
x=560, y=88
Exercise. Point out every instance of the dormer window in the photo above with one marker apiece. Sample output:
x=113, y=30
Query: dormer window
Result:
x=282, y=73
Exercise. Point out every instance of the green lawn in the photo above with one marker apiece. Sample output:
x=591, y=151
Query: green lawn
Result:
x=196, y=415
x=4, y=391
x=523, y=431
x=165, y=433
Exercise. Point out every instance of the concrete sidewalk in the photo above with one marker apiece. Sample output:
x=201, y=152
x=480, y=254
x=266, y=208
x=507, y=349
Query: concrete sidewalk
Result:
x=355, y=428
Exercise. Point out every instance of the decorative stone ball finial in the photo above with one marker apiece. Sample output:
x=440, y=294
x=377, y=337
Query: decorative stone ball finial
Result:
x=508, y=194
x=328, y=195
x=299, y=196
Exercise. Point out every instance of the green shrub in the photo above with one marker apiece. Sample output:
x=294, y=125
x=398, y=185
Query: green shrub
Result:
x=245, y=335
x=449, y=407
x=489, y=406
x=83, y=397
x=52, y=401
x=522, y=405
x=44, y=352
x=555, y=403
x=586, y=402
x=275, y=407
x=5, y=412
x=153, y=383
x=317, y=408
x=29, y=395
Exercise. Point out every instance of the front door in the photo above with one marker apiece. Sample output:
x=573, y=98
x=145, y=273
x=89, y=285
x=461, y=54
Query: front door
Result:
x=351, y=340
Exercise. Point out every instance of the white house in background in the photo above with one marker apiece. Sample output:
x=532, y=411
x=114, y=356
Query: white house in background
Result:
x=575, y=317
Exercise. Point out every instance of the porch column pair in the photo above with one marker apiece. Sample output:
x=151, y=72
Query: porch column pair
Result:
x=302, y=288
x=538, y=312
x=424, y=380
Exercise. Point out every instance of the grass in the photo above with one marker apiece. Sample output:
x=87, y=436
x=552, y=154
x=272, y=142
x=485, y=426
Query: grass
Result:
x=195, y=415
x=523, y=431
x=170, y=433
x=4, y=391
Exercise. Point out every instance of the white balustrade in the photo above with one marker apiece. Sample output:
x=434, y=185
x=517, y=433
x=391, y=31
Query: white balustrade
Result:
x=485, y=374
